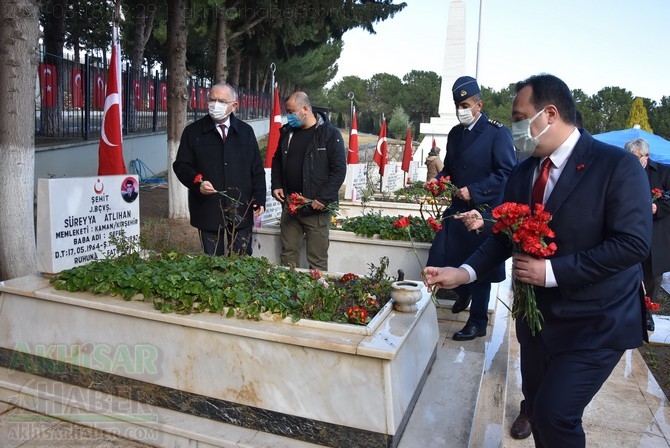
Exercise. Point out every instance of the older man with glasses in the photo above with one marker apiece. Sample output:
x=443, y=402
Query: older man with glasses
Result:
x=218, y=160
x=658, y=260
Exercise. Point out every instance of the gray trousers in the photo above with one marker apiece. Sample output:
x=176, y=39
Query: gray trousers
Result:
x=315, y=230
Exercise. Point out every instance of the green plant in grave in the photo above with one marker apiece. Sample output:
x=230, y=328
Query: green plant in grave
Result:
x=374, y=223
x=185, y=284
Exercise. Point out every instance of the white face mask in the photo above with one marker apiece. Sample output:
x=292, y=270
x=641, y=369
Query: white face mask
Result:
x=465, y=116
x=218, y=111
x=524, y=142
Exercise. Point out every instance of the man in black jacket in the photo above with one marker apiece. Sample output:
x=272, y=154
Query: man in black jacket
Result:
x=310, y=160
x=218, y=160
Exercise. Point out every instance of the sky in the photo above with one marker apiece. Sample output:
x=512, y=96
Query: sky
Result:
x=589, y=44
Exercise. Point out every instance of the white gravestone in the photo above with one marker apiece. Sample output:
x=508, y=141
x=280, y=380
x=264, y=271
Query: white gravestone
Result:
x=272, y=212
x=78, y=219
x=356, y=179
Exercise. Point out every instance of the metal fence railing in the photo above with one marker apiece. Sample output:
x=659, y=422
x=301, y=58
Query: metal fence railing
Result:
x=70, y=98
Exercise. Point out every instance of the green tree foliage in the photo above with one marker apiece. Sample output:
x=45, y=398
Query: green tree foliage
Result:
x=659, y=117
x=638, y=116
x=498, y=105
x=397, y=125
x=420, y=96
x=307, y=72
x=88, y=25
x=338, y=98
x=384, y=93
x=610, y=108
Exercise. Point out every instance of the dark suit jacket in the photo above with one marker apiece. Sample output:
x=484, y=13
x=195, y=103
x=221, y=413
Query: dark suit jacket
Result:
x=659, y=177
x=481, y=161
x=600, y=207
x=235, y=167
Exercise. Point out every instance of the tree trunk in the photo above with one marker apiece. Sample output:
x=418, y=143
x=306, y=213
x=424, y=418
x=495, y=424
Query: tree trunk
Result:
x=177, y=100
x=54, y=40
x=19, y=31
x=235, y=71
x=144, y=24
x=221, y=74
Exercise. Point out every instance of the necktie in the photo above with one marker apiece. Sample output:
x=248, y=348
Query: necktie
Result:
x=537, y=195
x=223, y=132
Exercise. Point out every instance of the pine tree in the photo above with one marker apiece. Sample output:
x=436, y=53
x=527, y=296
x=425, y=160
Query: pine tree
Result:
x=638, y=116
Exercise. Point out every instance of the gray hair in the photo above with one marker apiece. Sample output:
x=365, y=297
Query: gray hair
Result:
x=639, y=144
x=228, y=87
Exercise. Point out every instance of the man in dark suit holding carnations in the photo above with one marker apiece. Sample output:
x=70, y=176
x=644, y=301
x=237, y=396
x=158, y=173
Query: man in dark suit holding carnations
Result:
x=590, y=290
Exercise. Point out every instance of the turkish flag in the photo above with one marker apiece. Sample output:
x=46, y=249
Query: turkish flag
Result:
x=49, y=84
x=152, y=95
x=352, y=154
x=137, y=93
x=381, y=152
x=163, y=98
x=434, y=144
x=98, y=91
x=110, y=149
x=202, y=99
x=407, y=153
x=275, y=125
x=76, y=88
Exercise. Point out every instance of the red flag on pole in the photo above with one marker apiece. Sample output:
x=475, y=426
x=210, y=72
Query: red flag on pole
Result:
x=275, y=125
x=110, y=149
x=152, y=95
x=194, y=103
x=434, y=144
x=98, y=91
x=49, y=85
x=137, y=92
x=163, y=95
x=381, y=153
x=76, y=88
x=407, y=153
x=352, y=155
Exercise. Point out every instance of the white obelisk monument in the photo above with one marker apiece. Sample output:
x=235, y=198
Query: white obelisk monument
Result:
x=454, y=67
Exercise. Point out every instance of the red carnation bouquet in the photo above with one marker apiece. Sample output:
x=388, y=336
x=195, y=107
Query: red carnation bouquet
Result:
x=439, y=196
x=651, y=306
x=296, y=201
x=656, y=193
x=527, y=232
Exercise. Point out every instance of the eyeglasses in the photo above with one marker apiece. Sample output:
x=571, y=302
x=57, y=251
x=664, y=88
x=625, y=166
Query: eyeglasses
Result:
x=224, y=102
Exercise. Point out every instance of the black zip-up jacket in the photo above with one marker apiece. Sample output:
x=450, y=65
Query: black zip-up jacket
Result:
x=324, y=166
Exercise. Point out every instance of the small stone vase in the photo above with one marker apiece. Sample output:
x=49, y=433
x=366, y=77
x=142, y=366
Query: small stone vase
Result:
x=405, y=295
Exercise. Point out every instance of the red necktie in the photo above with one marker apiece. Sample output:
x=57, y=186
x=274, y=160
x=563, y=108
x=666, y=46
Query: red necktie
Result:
x=537, y=194
x=223, y=132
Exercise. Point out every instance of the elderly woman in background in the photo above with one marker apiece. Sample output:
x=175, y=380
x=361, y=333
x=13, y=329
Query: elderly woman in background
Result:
x=433, y=163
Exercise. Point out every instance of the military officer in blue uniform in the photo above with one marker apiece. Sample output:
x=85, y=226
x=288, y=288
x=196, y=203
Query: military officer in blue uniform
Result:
x=479, y=157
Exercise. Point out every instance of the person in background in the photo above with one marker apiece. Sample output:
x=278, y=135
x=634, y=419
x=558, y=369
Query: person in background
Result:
x=479, y=157
x=310, y=160
x=218, y=160
x=658, y=260
x=433, y=163
x=590, y=290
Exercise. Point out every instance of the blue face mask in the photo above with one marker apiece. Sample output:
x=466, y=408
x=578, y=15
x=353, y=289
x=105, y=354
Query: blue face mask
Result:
x=294, y=121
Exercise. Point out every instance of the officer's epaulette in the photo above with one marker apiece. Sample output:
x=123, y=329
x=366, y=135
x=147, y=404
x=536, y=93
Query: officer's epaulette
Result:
x=495, y=123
